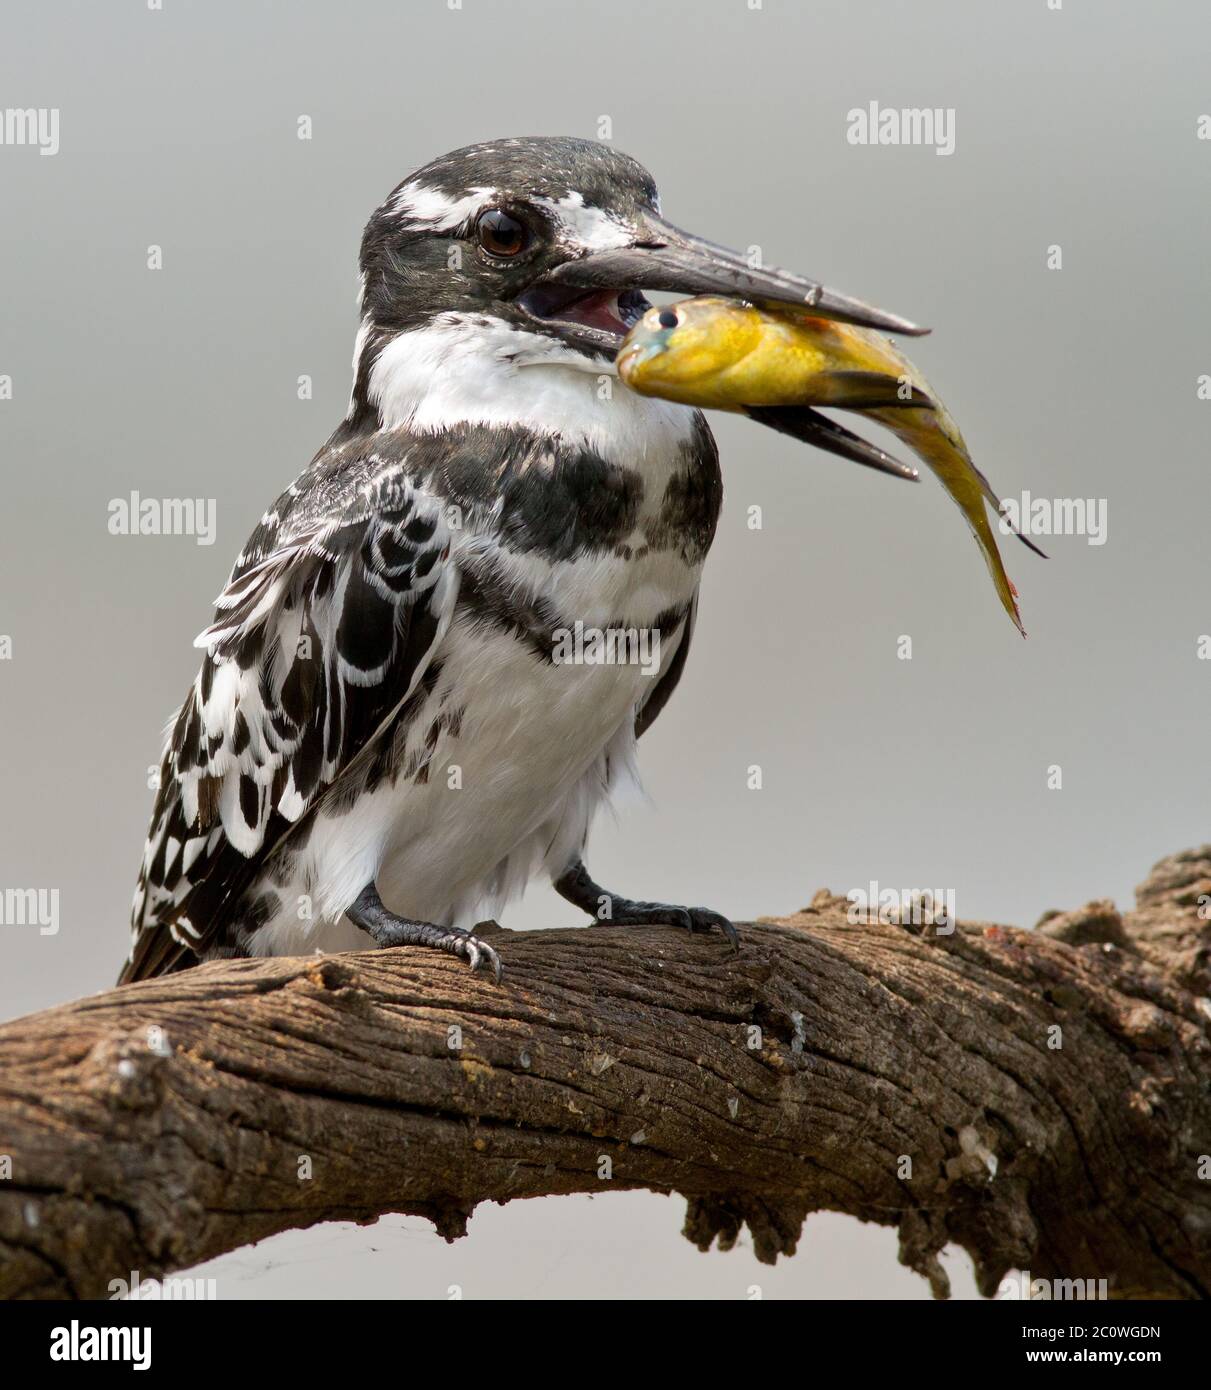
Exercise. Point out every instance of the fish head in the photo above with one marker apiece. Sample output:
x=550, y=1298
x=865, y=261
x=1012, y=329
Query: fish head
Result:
x=683, y=351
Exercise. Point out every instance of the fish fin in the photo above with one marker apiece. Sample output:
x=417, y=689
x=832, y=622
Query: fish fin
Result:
x=854, y=390
x=999, y=507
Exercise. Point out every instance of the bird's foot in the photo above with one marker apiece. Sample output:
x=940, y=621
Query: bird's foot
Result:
x=626, y=912
x=388, y=929
x=610, y=910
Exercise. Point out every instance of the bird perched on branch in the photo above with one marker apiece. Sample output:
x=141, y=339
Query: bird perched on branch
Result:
x=386, y=737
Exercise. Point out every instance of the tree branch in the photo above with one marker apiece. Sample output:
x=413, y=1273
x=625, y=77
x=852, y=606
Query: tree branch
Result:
x=907, y=1078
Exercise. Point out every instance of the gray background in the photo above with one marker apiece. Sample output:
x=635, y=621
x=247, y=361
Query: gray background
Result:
x=1075, y=127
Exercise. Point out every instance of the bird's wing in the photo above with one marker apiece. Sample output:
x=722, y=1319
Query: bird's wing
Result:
x=656, y=699
x=324, y=629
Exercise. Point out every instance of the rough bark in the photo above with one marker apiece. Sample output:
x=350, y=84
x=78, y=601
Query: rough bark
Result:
x=155, y=1126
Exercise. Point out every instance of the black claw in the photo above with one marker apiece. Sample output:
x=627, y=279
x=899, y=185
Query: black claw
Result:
x=484, y=951
x=478, y=952
x=388, y=929
x=704, y=919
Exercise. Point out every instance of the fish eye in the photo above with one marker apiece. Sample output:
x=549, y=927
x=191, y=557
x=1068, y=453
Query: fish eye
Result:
x=667, y=318
x=501, y=235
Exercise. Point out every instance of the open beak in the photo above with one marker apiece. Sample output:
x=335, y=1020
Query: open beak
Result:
x=662, y=257
x=809, y=426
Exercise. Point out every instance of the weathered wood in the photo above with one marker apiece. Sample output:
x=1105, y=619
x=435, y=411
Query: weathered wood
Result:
x=156, y=1126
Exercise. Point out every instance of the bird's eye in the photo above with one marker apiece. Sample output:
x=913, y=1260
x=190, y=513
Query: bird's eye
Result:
x=501, y=235
x=668, y=318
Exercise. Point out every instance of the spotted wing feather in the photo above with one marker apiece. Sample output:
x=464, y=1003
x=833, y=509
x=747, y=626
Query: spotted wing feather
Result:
x=320, y=635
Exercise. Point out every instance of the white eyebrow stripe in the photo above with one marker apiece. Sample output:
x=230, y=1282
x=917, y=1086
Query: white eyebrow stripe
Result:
x=582, y=224
x=419, y=202
x=585, y=225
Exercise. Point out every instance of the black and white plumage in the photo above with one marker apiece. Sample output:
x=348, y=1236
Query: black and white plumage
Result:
x=379, y=739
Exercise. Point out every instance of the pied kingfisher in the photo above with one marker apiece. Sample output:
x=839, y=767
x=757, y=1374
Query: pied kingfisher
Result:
x=380, y=741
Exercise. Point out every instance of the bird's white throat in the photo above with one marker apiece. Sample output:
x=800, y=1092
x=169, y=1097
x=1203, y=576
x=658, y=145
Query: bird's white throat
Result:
x=471, y=368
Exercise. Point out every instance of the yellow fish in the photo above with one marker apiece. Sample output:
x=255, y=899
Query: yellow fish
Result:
x=771, y=361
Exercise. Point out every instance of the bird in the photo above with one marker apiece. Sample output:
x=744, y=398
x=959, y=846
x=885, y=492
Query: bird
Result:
x=383, y=743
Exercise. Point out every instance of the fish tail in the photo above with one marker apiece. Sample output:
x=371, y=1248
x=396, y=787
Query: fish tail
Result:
x=996, y=568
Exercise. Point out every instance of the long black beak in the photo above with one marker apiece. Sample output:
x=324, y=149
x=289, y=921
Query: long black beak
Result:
x=665, y=258
x=801, y=422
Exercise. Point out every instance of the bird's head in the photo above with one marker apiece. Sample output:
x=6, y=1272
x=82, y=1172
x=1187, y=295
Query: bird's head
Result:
x=536, y=251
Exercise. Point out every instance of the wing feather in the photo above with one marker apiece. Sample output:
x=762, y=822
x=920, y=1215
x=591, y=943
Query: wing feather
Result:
x=649, y=708
x=314, y=646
